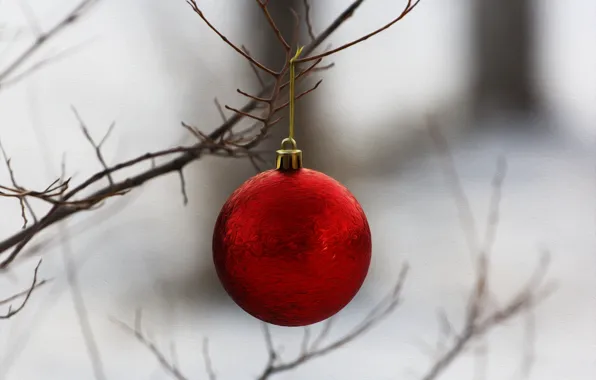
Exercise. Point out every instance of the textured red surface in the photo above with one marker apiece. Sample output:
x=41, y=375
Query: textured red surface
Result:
x=292, y=248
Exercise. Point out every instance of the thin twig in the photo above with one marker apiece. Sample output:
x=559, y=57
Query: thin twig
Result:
x=198, y=11
x=478, y=321
x=169, y=367
x=246, y=114
x=33, y=68
x=220, y=110
x=408, y=8
x=81, y=309
x=96, y=147
x=34, y=285
x=207, y=358
x=308, y=21
x=255, y=69
x=44, y=37
x=22, y=293
x=58, y=212
x=302, y=94
x=258, y=99
x=24, y=203
x=373, y=318
x=183, y=187
x=274, y=27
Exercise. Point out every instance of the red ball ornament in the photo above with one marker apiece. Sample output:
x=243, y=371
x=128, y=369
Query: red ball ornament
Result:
x=292, y=246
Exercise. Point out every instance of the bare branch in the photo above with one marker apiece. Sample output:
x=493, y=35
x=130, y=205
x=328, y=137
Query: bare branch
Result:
x=80, y=308
x=183, y=187
x=255, y=69
x=34, y=284
x=207, y=358
x=96, y=147
x=220, y=110
x=299, y=96
x=261, y=119
x=478, y=321
x=323, y=334
x=22, y=293
x=303, y=73
x=494, y=207
x=408, y=8
x=184, y=156
x=378, y=313
x=24, y=73
x=273, y=25
x=308, y=21
x=258, y=99
x=30, y=16
x=168, y=366
x=196, y=9
x=22, y=200
x=466, y=216
x=255, y=164
x=44, y=37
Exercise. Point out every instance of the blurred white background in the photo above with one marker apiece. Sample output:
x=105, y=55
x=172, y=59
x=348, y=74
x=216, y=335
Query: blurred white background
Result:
x=148, y=65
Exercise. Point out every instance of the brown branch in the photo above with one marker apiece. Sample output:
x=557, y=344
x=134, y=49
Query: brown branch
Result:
x=408, y=8
x=303, y=73
x=196, y=9
x=220, y=110
x=246, y=114
x=24, y=203
x=183, y=187
x=96, y=147
x=34, y=285
x=274, y=27
x=258, y=99
x=255, y=69
x=374, y=317
x=22, y=293
x=299, y=96
x=186, y=155
x=308, y=21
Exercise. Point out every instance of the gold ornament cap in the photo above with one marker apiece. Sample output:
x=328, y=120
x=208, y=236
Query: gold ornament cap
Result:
x=289, y=159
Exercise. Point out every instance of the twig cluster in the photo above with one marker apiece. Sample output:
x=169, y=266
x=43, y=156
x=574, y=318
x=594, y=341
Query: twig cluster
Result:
x=263, y=108
x=311, y=347
x=223, y=141
x=315, y=348
x=481, y=315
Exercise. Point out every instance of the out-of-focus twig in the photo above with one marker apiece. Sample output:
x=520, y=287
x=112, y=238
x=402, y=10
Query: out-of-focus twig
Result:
x=317, y=349
x=42, y=39
x=137, y=331
x=479, y=320
x=80, y=307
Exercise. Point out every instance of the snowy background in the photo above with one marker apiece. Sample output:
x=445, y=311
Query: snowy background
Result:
x=150, y=64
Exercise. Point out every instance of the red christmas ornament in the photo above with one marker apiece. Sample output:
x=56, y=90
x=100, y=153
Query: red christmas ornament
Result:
x=292, y=247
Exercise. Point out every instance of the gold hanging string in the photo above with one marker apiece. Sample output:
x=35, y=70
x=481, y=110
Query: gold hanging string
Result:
x=293, y=89
x=290, y=158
